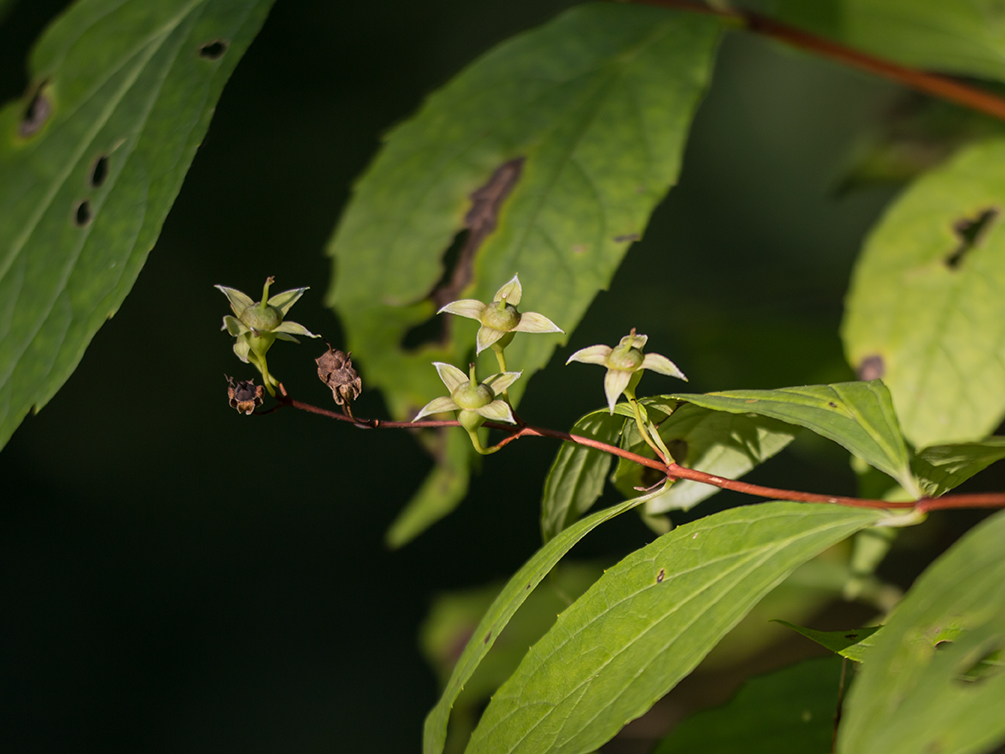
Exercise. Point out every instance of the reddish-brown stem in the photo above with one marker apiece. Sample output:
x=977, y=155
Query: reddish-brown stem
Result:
x=928, y=83
x=673, y=471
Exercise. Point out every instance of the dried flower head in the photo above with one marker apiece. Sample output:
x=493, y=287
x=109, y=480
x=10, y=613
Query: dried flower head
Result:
x=245, y=396
x=335, y=370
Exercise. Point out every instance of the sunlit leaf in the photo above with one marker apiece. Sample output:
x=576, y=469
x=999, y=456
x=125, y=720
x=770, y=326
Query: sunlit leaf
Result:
x=790, y=711
x=121, y=96
x=551, y=150
x=916, y=693
x=649, y=621
x=502, y=609
x=857, y=415
x=854, y=643
x=943, y=467
x=577, y=476
x=926, y=309
x=715, y=442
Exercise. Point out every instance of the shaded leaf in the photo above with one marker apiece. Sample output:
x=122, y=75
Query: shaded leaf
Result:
x=956, y=37
x=441, y=491
x=857, y=415
x=916, y=693
x=944, y=467
x=596, y=104
x=715, y=442
x=854, y=643
x=649, y=621
x=576, y=478
x=502, y=609
x=454, y=616
x=926, y=308
x=122, y=94
x=790, y=711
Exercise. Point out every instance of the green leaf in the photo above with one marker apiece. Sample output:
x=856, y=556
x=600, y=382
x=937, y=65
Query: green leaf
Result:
x=790, y=711
x=516, y=591
x=857, y=415
x=5, y=6
x=854, y=643
x=926, y=308
x=440, y=492
x=454, y=616
x=576, y=478
x=917, y=695
x=728, y=445
x=806, y=591
x=575, y=131
x=649, y=621
x=944, y=467
x=956, y=37
x=123, y=93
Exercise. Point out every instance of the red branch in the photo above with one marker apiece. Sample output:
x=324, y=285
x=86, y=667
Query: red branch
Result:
x=928, y=83
x=673, y=471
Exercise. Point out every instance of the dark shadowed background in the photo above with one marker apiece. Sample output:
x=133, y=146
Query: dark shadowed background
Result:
x=178, y=578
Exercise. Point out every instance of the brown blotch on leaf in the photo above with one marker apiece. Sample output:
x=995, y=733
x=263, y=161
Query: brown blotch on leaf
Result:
x=245, y=396
x=627, y=237
x=971, y=232
x=36, y=114
x=335, y=370
x=872, y=368
x=213, y=50
x=480, y=221
x=660, y=575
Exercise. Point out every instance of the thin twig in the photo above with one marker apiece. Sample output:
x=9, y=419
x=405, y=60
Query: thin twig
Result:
x=673, y=470
x=942, y=87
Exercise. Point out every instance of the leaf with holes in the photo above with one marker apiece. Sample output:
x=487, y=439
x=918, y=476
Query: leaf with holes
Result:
x=576, y=478
x=926, y=309
x=649, y=621
x=857, y=415
x=789, y=711
x=966, y=38
x=941, y=468
x=915, y=694
x=728, y=445
x=551, y=151
x=122, y=94
x=503, y=608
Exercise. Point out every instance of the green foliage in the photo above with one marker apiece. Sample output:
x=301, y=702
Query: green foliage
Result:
x=513, y=595
x=576, y=479
x=916, y=694
x=857, y=415
x=789, y=711
x=852, y=643
x=547, y=157
x=585, y=105
x=940, y=468
x=926, y=309
x=648, y=622
x=716, y=442
x=121, y=96
x=957, y=37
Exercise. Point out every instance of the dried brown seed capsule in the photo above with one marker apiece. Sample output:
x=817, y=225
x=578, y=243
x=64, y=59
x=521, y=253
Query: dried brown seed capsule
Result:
x=244, y=396
x=335, y=370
